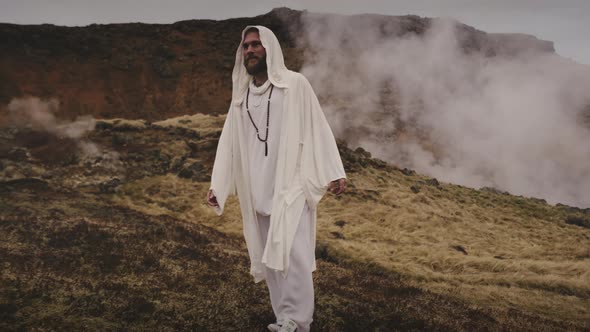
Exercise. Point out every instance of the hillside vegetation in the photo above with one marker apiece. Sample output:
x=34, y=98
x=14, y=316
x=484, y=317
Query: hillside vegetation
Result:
x=124, y=240
x=483, y=246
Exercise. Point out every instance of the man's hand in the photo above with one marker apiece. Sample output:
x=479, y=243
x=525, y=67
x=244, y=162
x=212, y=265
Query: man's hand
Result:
x=211, y=199
x=338, y=186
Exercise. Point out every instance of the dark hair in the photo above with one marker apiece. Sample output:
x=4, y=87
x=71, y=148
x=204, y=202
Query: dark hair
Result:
x=251, y=29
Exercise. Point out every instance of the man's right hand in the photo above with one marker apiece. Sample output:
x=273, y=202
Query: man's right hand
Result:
x=211, y=199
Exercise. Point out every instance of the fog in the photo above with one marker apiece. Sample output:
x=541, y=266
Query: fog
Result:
x=515, y=123
x=38, y=114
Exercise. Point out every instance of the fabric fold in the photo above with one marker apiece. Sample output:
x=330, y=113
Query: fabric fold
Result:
x=308, y=160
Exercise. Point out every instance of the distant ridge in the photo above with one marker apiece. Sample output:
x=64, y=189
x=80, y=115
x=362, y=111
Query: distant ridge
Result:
x=157, y=71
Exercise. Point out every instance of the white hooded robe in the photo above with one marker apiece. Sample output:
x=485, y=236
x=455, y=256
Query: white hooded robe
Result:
x=308, y=160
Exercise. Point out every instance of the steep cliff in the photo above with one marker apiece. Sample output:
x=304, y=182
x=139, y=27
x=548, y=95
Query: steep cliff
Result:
x=154, y=71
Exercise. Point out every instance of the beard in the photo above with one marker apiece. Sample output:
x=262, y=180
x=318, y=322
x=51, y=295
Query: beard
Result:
x=256, y=68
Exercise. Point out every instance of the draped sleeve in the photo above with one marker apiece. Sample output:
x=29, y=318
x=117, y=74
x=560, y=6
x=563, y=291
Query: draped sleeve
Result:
x=222, y=177
x=320, y=160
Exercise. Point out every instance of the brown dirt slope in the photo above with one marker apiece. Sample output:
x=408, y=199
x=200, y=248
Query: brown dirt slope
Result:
x=73, y=262
x=75, y=256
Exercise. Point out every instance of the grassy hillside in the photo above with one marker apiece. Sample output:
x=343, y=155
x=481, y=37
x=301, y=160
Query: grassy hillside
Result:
x=483, y=246
x=124, y=240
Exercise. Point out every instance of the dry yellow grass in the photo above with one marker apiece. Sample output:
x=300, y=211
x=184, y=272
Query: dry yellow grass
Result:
x=488, y=248
x=204, y=124
x=181, y=198
x=519, y=251
x=124, y=123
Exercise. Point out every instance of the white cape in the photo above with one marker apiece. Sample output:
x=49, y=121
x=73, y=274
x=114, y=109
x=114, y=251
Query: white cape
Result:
x=308, y=160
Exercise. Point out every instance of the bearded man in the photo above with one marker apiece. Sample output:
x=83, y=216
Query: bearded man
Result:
x=278, y=153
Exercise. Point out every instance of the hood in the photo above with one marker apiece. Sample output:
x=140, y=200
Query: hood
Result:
x=274, y=62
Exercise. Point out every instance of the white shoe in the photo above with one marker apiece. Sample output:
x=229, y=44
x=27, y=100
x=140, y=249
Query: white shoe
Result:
x=288, y=326
x=274, y=327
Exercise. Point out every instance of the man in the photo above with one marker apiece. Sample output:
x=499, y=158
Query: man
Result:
x=277, y=152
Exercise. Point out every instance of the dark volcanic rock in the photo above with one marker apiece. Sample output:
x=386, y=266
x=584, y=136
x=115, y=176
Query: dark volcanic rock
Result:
x=194, y=170
x=582, y=222
x=340, y=223
x=460, y=249
x=28, y=183
x=18, y=154
x=494, y=190
x=408, y=172
x=433, y=182
x=109, y=186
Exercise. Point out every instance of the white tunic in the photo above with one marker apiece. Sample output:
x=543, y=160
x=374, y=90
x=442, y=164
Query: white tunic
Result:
x=307, y=160
x=263, y=168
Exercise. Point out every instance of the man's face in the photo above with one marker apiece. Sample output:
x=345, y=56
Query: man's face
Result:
x=254, y=53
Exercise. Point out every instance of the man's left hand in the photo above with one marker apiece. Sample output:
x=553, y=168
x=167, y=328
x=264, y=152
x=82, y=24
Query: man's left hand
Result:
x=337, y=187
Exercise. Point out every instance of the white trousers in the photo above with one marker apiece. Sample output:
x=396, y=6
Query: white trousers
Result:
x=293, y=297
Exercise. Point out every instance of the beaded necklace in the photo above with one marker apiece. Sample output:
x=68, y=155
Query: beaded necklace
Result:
x=265, y=140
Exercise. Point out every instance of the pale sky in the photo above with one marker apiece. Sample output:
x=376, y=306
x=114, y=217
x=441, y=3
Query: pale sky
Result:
x=565, y=22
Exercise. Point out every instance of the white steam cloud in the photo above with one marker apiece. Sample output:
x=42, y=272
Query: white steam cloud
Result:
x=38, y=114
x=514, y=122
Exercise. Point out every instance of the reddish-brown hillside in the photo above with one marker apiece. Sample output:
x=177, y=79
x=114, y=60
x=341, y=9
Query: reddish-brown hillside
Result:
x=154, y=71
